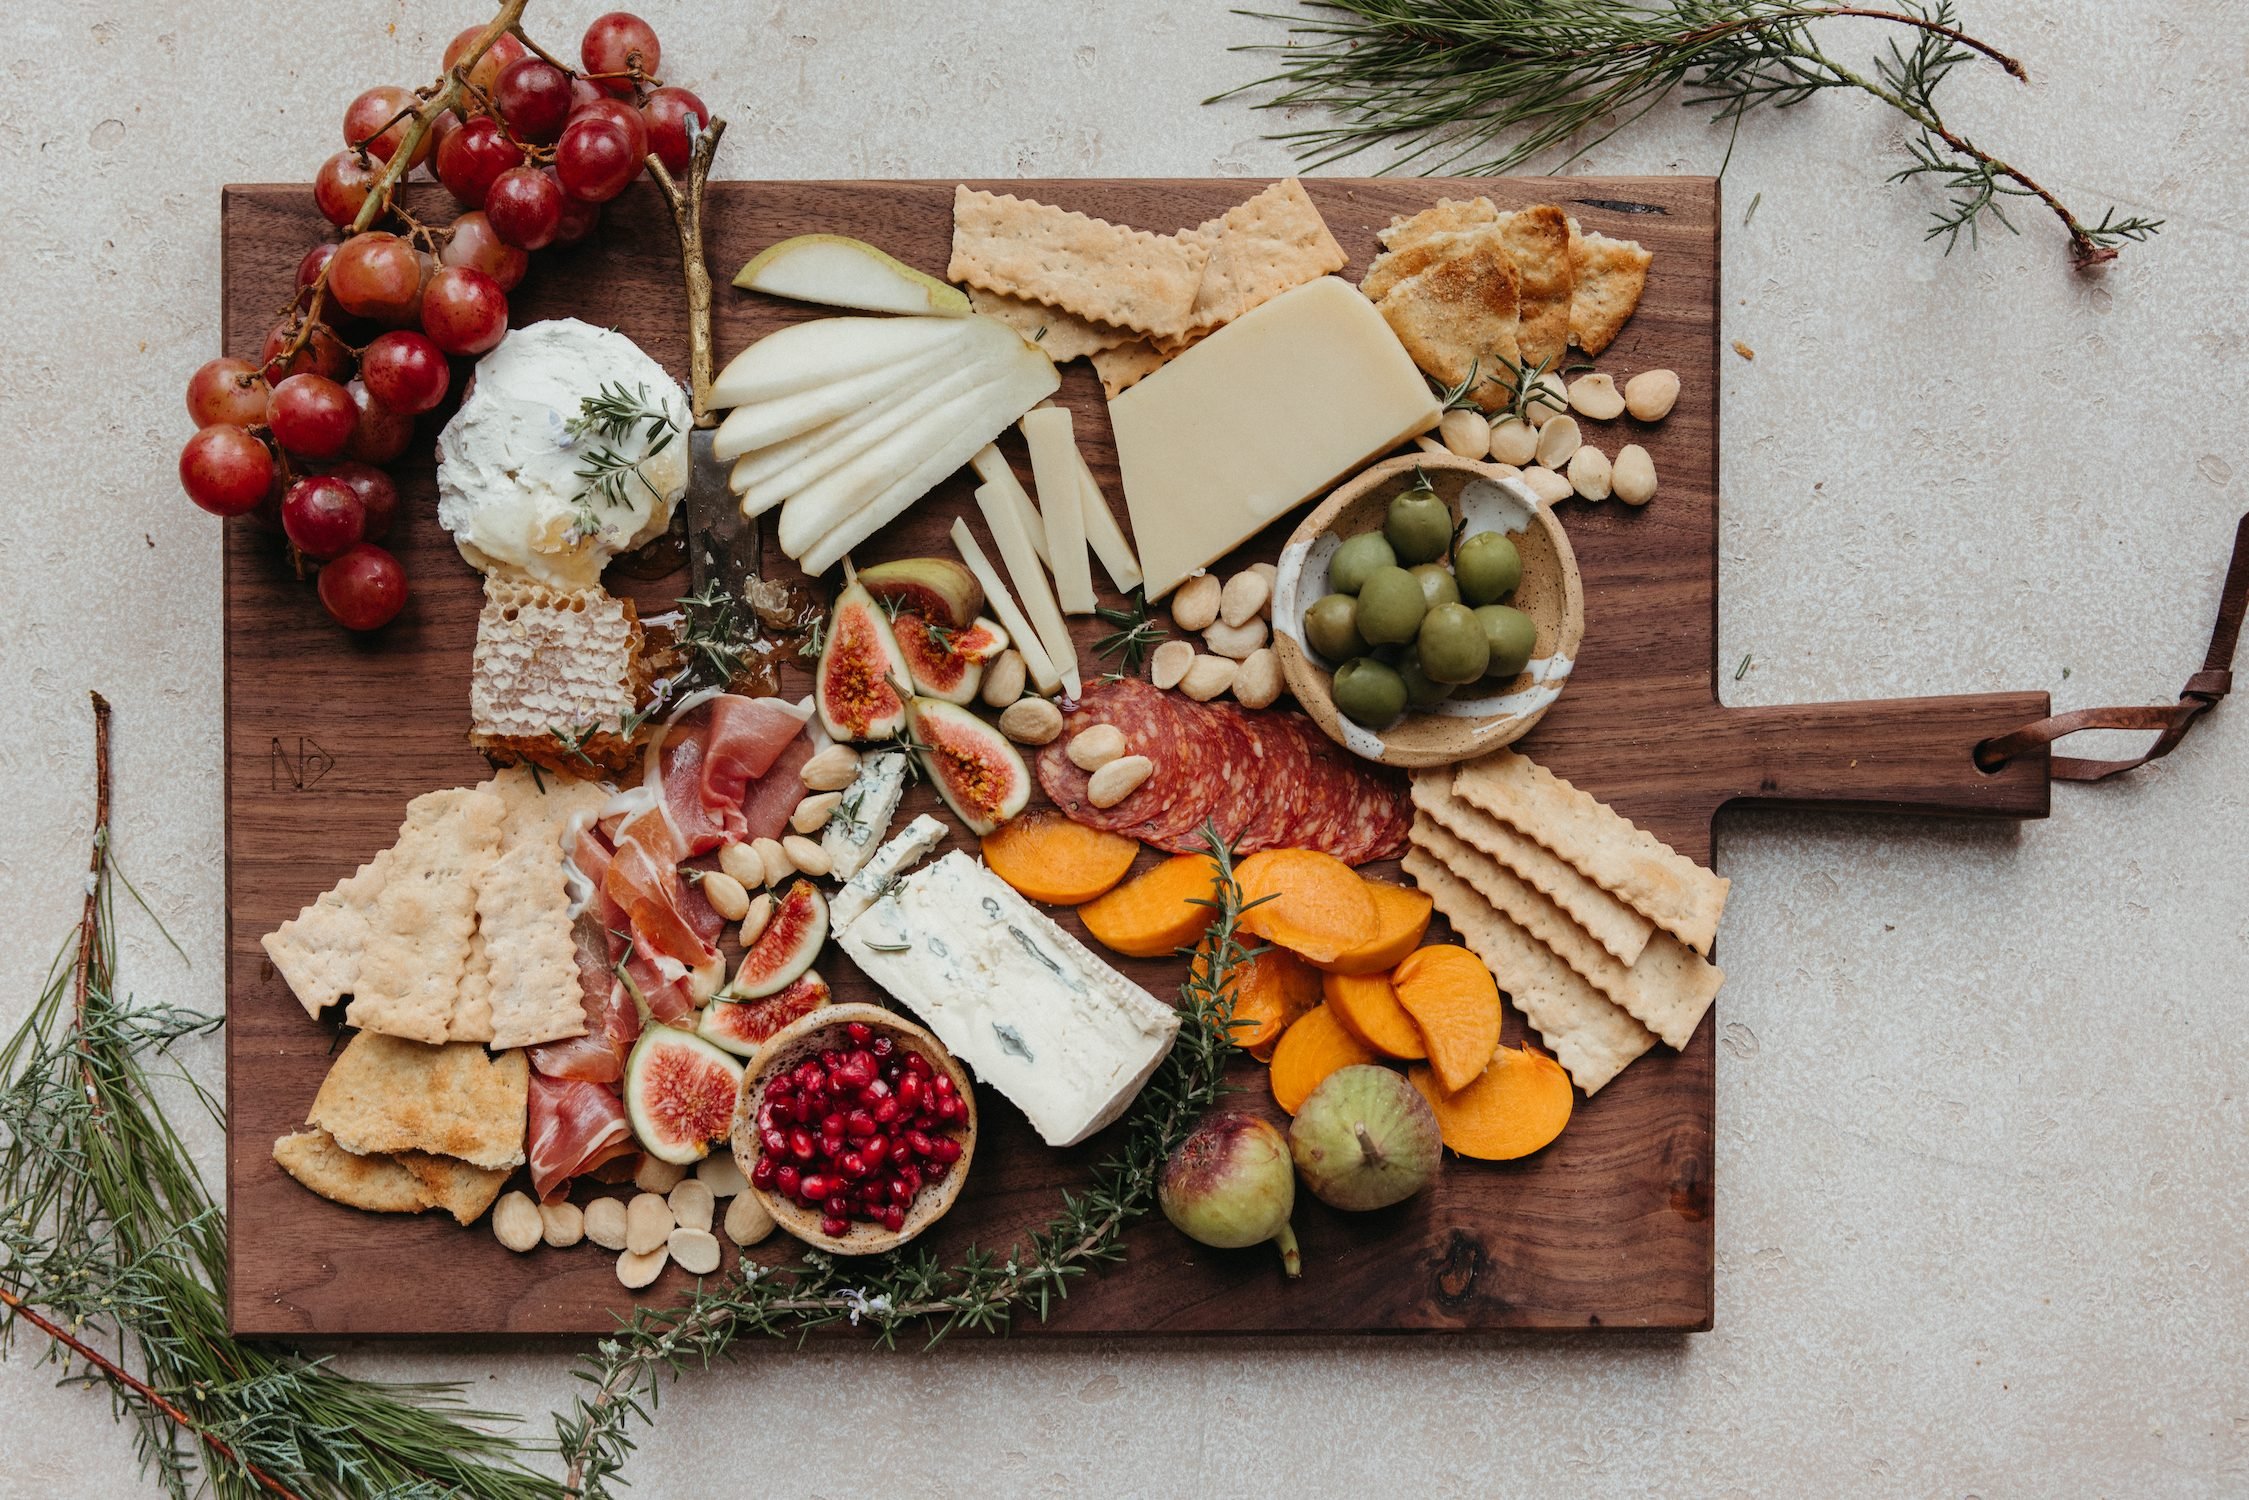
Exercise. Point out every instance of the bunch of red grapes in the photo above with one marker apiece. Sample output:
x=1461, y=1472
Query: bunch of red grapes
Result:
x=531, y=151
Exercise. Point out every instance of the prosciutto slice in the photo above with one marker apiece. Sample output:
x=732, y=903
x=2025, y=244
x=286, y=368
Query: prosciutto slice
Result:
x=765, y=811
x=573, y=1127
x=612, y=1020
x=711, y=756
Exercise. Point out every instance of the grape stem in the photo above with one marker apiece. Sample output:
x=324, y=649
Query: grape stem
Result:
x=687, y=215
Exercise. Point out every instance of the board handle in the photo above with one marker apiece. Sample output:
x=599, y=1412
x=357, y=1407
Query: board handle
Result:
x=1911, y=755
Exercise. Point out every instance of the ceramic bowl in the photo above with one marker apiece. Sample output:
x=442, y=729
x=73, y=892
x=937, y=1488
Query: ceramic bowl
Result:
x=806, y=1037
x=1482, y=716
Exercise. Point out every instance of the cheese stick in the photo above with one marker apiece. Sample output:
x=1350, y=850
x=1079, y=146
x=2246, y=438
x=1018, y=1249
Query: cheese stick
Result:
x=1036, y=662
x=1030, y=585
x=992, y=467
x=1054, y=467
x=1105, y=536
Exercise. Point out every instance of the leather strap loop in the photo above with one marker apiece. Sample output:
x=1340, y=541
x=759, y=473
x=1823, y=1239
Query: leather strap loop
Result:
x=2170, y=722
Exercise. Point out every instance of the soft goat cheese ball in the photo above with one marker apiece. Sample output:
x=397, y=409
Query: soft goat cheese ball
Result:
x=508, y=488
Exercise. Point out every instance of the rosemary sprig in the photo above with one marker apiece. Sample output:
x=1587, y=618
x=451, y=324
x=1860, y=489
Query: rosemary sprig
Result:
x=910, y=1290
x=1136, y=634
x=1487, y=86
x=612, y=415
x=1525, y=387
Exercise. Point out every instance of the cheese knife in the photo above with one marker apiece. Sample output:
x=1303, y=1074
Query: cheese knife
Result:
x=722, y=543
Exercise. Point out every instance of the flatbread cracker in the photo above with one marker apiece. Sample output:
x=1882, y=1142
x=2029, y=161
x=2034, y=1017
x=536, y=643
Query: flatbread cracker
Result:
x=1127, y=365
x=461, y=1190
x=407, y=1183
x=387, y=1094
x=1446, y=216
x=523, y=911
x=1064, y=336
x=1611, y=275
x=1657, y=881
x=1590, y=1035
x=418, y=929
x=1668, y=990
x=1105, y=273
x=1264, y=246
x=1608, y=921
x=1457, y=315
x=1538, y=240
x=316, y=952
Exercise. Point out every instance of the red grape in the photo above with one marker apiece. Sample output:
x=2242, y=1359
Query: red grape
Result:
x=225, y=470
x=504, y=50
x=311, y=416
x=533, y=96
x=476, y=243
x=364, y=589
x=464, y=311
x=323, y=516
x=227, y=390
x=315, y=261
x=583, y=91
x=595, y=159
x=323, y=353
x=578, y=216
x=472, y=157
x=441, y=129
x=341, y=186
x=372, y=112
x=405, y=371
x=381, y=434
x=669, y=113
x=375, y=275
x=378, y=495
x=524, y=207
x=630, y=120
x=617, y=42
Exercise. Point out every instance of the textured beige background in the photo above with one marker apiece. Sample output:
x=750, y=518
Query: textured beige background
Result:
x=1980, y=1215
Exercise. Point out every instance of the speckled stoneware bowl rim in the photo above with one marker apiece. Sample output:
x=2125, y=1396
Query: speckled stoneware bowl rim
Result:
x=801, y=1038
x=1461, y=728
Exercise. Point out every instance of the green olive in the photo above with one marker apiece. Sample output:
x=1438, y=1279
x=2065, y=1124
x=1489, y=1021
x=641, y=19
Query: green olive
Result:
x=1437, y=585
x=1511, y=635
x=1390, y=606
x=1369, y=693
x=1422, y=690
x=1452, y=645
x=1419, y=526
x=1489, y=567
x=1358, y=557
x=1331, y=627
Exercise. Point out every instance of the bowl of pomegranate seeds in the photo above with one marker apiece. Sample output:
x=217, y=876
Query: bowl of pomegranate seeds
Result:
x=855, y=1128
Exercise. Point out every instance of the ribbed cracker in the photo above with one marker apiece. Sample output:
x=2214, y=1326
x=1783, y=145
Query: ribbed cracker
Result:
x=1103, y=272
x=1538, y=240
x=417, y=940
x=406, y=1183
x=1063, y=335
x=1611, y=275
x=1657, y=881
x=1668, y=990
x=471, y=1020
x=1608, y=921
x=317, y=951
x=549, y=659
x=385, y=1094
x=1127, y=365
x=1590, y=1035
x=523, y=911
x=1264, y=245
x=1457, y=314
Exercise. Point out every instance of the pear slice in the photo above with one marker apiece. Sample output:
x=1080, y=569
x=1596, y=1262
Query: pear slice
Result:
x=763, y=423
x=839, y=271
x=821, y=352
x=761, y=495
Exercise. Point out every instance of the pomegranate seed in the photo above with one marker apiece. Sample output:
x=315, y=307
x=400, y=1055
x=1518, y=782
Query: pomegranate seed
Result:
x=854, y=1164
x=874, y=1092
x=860, y=1032
x=917, y=1065
x=838, y=1204
x=833, y=1227
x=800, y=1109
x=800, y=1145
x=813, y=1186
x=938, y=1169
x=894, y=1219
x=875, y=1149
x=943, y=1084
x=786, y=1178
x=886, y=1111
x=884, y=1046
x=909, y=1091
x=948, y=1149
x=773, y=1141
x=859, y=1122
x=920, y=1143
x=763, y=1174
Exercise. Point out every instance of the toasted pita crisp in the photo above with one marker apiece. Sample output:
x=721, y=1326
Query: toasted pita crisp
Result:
x=532, y=992
x=406, y=1183
x=417, y=944
x=317, y=951
x=1127, y=365
x=1537, y=239
x=1063, y=336
x=1447, y=216
x=387, y=1094
x=1611, y=275
x=1458, y=315
x=461, y=1190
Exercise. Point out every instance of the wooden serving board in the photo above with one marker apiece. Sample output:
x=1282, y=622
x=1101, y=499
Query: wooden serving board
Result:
x=329, y=736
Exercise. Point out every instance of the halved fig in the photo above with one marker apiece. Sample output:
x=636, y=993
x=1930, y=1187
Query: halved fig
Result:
x=743, y=1026
x=787, y=947
x=858, y=685
x=936, y=588
x=679, y=1094
x=938, y=670
x=976, y=770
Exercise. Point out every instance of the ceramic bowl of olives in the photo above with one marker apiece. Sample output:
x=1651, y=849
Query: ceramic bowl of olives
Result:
x=1428, y=611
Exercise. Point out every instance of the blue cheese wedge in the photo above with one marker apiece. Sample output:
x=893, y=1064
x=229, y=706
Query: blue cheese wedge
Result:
x=1067, y=1039
x=863, y=817
x=891, y=860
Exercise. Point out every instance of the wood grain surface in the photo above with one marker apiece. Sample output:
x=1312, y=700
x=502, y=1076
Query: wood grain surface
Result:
x=330, y=735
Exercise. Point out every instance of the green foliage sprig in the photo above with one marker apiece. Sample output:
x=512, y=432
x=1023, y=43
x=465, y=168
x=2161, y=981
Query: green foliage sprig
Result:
x=611, y=415
x=1483, y=87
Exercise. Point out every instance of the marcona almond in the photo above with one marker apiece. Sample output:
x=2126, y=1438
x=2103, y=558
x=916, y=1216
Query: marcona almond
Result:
x=1651, y=394
x=561, y=1224
x=1634, y=476
x=1514, y=441
x=605, y=1223
x=1118, y=779
x=1548, y=400
x=1236, y=641
x=655, y=1175
x=1244, y=597
x=813, y=812
x=1257, y=682
x=806, y=857
x=648, y=1219
x=1003, y=679
x=831, y=770
x=1094, y=748
x=778, y=866
x=747, y=1220
x=1548, y=485
x=1169, y=662
x=1031, y=721
x=515, y=1222
x=1557, y=440
x=637, y=1271
x=726, y=895
x=1271, y=575
x=692, y=1204
x=721, y=1175
x=1467, y=433
x=742, y=862
x=1589, y=473
x=1207, y=677
x=696, y=1250
x=1596, y=396
x=1194, y=604
x=1428, y=444
x=754, y=920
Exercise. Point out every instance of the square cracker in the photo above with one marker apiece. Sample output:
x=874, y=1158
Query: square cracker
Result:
x=1657, y=881
x=316, y=952
x=1263, y=246
x=1668, y=990
x=1458, y=314
x=1611, y=275
x=1590, y=1035
x=523, y=924
x=387, y=1094
x=1127, y=365
x=406, y=1183
x=1064, y=336
x=418, y=929
x=1537, y=239
x=1103, y=272
x=1608, y=921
